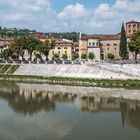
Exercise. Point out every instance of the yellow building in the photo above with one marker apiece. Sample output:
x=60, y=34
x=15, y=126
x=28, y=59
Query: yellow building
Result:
x=62, y=47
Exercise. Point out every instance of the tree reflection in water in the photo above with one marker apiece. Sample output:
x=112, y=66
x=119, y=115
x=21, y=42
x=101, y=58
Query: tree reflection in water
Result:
x=29, y=102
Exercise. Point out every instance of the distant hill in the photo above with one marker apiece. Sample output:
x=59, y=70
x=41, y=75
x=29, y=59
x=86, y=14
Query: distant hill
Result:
x=67, y=35
x=14, y=32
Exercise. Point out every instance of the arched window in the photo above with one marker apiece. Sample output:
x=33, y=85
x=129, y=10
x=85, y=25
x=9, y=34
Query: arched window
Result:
x=115, y=44
x=108, y=44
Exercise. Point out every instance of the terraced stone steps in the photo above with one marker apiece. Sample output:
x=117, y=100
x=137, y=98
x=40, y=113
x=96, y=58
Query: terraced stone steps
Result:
x=8, y=68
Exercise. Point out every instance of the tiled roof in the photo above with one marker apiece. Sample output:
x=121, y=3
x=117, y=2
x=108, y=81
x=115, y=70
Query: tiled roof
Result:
x=132, y=21
x=86, y=37
x=102, y=37
x=6, y=39
x=109, y=37
x=63, y=42
x=39, y=36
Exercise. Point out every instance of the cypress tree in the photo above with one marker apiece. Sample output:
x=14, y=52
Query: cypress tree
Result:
x=123, y=43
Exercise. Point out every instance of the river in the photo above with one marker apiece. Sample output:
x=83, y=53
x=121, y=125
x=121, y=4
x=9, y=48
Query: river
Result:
x=54, y=112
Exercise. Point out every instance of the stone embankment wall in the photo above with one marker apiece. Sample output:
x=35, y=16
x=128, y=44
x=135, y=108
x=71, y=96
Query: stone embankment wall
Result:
x=77, y=71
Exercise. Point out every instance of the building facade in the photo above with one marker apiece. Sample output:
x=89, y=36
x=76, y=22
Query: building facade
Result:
x=100, y=45
x=132, y=27
x=90, y=44
x=5, y=43
x=62, y=47
x=110, y=45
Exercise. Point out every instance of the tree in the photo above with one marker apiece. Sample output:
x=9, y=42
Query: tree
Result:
x=91, y=56
x=25, y=43
x=45, y=47
x=32, y=44
x=52, y=44
x=64, y=57
x=134, y=44
x=84, y=56
x=110, y=56
x=18, y=46
x=123, y=44
x=6, y=53
x=56, y=56
x=75, y=56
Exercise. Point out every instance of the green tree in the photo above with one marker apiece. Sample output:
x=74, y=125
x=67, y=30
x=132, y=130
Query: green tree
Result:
x=44, y=48
x=91, y=56
x=18, y=46
x=110, y=56
x=52, y=44
x=64, y=57
x=123, y=44
x=84, y=56
x=6, y=53
x=31, y=45
x=56, y=56
x=75, y=56
x=134, y=44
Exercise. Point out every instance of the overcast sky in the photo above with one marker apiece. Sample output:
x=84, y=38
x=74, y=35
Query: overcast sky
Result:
x=87, y=16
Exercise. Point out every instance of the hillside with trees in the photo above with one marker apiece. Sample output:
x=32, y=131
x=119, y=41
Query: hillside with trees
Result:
x=17, y=32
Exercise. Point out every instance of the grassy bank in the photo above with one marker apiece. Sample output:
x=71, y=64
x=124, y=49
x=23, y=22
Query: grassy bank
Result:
x=72, y=81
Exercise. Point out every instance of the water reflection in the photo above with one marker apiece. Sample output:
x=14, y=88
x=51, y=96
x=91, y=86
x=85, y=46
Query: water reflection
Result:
x=31, y=99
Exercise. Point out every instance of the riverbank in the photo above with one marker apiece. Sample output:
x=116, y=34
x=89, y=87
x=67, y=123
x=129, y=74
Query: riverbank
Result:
x=72, y=81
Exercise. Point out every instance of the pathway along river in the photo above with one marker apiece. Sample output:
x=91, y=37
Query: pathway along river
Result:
x=53, y=112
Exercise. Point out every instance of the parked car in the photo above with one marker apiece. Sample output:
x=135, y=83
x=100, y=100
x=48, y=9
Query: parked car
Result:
x=34, y=62
x=50, y=62
x=77, y=62
x=59, y=61
x=26, y=62
x=18, y=61
x=2, y=61
x=68, y=62
x=42, y=62
x=9, y=61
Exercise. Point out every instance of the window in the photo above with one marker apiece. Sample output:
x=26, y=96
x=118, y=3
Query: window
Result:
x=134, y=30
x=129, y=31
x=97, y=43
x=129, y=26
x=53, y=52
x=115, y=49
x=107, y=44
x=65, y=48
x=93, y=43
x=89, y=43
x=65, y=52
x=58, y=52
x=59, y=48
x=134, y=25
x=115, y=44
x=108, y=48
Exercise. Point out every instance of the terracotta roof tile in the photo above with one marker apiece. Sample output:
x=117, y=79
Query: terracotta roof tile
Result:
x=102, y=37
x=132, y=21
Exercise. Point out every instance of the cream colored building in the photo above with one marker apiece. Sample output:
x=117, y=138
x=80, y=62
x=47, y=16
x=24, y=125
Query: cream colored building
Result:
x=62, y=47
x=93, y=47
x=89, y=44
x=5, y=43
